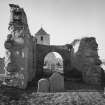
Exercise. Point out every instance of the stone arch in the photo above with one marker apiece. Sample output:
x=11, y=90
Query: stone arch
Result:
x=43, y=50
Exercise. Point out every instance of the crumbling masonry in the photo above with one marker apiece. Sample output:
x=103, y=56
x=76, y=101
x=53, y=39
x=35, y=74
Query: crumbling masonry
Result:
x=24, y=58
x=20, y=47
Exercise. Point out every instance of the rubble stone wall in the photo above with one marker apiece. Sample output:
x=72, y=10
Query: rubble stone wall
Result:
x=19, y=45
x=87, y=61
x=23, y=55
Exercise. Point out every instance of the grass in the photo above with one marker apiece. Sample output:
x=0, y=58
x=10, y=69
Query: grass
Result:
x=15, y=96
x=76, y=93
x=65, y=98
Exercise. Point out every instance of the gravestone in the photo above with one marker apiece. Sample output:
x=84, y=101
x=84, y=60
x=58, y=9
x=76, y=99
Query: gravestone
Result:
x=56, y=82
x=43, y=85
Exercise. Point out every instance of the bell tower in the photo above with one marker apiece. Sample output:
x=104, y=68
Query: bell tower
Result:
x=42, y=37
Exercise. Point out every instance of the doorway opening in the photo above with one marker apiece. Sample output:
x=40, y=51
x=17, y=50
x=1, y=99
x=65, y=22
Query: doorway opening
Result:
x=53, y=62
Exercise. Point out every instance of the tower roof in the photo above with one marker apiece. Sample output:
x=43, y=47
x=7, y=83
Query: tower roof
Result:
x=41, y=32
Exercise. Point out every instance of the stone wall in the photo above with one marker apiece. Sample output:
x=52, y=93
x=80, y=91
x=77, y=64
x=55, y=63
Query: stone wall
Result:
x=43, y=50
x=87, y=61
x=23, y=55
x=2, y=71
x=19, y=45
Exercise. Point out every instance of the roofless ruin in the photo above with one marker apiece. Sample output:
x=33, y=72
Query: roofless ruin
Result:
x=25, y=54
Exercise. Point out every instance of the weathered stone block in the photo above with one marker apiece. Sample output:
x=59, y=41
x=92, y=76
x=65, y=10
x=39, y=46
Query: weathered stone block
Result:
x=43, y=85
x=56, y=82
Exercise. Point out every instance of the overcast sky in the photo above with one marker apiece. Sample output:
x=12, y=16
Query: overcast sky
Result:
x=64, y=20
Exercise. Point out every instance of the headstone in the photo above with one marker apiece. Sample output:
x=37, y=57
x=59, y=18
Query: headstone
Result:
x=56, y=82
x=43, y=85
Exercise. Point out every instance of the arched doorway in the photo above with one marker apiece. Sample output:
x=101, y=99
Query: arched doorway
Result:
x=53, y=62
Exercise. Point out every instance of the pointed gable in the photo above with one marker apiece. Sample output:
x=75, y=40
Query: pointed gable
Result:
x=41, y=32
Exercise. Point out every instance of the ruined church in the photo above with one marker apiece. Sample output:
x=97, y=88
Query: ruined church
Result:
x=25, y=54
